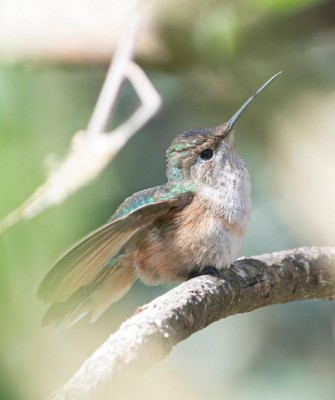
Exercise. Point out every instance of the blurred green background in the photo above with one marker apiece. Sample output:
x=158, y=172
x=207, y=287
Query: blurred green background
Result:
x=216, y=54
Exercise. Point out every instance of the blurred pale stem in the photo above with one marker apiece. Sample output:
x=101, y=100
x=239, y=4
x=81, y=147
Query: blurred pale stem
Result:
x=92, y=150
x=115, y=76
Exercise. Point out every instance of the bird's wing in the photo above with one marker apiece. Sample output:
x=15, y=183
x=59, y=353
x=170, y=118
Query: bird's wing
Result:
x=80, y=265
x=92, y=300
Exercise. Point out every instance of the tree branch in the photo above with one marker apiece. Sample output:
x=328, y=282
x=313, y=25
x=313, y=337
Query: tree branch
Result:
x=150, y=335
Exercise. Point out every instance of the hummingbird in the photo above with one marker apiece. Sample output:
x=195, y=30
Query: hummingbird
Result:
x=192, y=225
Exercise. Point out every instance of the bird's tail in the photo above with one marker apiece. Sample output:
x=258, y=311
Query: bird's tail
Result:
x=92, y=300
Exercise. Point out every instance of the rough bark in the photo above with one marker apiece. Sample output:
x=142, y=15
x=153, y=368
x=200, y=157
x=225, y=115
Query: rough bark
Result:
x=150, y=335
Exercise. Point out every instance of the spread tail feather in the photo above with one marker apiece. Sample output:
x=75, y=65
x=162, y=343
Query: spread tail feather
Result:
x=92, y=300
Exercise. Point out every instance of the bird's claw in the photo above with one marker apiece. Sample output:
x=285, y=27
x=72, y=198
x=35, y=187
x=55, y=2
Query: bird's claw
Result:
x=212, y=271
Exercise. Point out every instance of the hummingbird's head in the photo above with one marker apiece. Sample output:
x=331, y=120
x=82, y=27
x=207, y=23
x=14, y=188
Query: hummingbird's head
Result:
x=197, y=155
x=203, y=155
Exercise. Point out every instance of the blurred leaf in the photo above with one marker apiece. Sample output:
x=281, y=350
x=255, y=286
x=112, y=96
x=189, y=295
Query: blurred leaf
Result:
x=285, y=5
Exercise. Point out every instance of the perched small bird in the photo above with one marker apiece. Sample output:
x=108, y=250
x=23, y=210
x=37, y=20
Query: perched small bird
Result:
x=193, y=225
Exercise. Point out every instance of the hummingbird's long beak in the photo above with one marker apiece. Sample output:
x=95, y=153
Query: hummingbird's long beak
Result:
x=236, y=116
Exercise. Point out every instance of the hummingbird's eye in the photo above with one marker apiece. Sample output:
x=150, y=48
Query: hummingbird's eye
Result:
x=206, y=154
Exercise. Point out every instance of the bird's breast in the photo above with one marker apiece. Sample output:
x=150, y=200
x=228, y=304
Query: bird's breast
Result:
x=208, y=238
x=194, y=238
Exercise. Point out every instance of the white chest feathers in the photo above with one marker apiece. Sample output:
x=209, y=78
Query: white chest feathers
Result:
x=227, y=206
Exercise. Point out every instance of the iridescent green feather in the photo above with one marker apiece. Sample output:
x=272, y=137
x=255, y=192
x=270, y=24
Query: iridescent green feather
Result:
x=153, y=195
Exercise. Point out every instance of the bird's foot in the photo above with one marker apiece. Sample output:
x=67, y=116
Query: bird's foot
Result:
x=139, y=309
x=206, y=271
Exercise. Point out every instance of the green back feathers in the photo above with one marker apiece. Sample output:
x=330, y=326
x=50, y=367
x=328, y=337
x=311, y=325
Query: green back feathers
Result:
x=134, y=202
x=150, y=196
